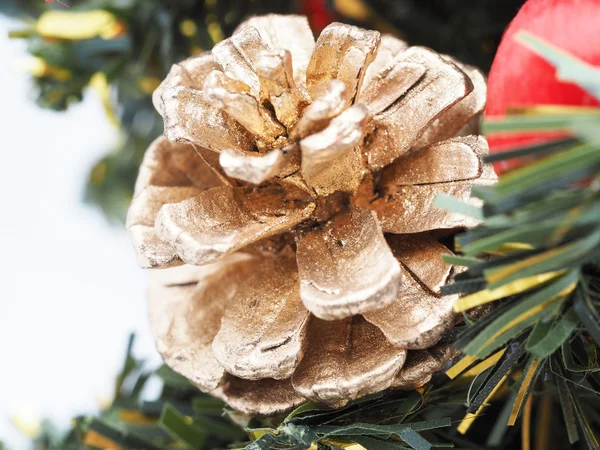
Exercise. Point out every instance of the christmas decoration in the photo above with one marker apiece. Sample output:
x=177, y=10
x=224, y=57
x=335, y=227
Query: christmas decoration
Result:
x=520, y=78
x=529, y=376
x=124, y=63
x=290, y=160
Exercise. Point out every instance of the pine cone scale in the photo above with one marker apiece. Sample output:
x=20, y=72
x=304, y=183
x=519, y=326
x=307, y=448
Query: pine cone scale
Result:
x=261, y=397
x=450, y=123
x=262, y=333
x=450, y=161
x=346, y=359
x=186, y=304
x=356, y=273
x=421, y=254
x=232, y=223
x=331, y=159
x=389, y=48
x=389, y=86
x=188, y=118
x=401, y=125
x=417, y=319
x=342, y=52
x=237, y=56
x=291, y=33
x=421, y=364
x=189, y=73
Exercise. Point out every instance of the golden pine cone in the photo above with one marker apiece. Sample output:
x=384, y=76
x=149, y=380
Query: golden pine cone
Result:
x=267, y=204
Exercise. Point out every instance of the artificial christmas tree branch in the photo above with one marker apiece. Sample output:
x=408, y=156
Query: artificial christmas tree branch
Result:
x=540, y=226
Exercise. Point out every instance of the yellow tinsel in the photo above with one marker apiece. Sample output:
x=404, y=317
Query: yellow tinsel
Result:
x=94, y=439
x=522, y=391
x=75, y=25
x=39, y=68
x=100, y=84
x=469, y=418
x=512, y=288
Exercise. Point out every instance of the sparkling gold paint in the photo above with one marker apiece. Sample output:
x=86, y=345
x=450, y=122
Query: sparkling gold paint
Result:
x=290, y=208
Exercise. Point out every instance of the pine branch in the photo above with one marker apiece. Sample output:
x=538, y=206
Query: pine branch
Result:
x=537, y=253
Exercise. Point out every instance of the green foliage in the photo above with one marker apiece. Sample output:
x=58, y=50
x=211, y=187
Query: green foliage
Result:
x=394, y=421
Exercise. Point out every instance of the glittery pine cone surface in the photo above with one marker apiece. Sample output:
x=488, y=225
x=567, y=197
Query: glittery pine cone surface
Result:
x=290, y=208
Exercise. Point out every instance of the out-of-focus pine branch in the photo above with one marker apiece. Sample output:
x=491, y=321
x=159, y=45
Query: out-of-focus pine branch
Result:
x=122, y=49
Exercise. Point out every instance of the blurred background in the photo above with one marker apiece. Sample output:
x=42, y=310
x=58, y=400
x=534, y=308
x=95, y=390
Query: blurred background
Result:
x=76, y=120
x=71, y=291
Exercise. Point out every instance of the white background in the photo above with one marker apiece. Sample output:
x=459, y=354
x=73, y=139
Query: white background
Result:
x=70, y=291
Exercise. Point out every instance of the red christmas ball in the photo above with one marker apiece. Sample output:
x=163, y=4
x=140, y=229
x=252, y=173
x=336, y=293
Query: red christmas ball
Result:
x=319, y=16
x=521, y=78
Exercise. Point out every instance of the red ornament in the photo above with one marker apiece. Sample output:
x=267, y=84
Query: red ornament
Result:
x=520, y=78
x=319, y=16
